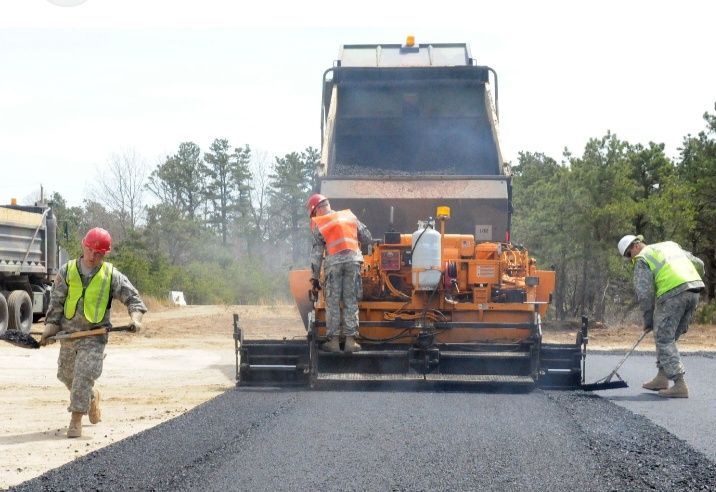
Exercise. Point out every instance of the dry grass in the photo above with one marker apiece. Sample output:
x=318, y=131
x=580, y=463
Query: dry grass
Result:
x=622, y=336
x=157, y=303
x=154, y=305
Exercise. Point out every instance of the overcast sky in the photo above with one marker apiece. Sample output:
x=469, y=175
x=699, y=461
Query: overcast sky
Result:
x=80, y=83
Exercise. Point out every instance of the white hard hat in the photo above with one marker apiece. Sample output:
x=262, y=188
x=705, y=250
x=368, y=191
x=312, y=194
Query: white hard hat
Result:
x=625, y=242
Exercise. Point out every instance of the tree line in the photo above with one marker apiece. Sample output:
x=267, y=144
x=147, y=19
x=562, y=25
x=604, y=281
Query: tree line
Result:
x=225, y=224
x=571, y=214
x=222, y=225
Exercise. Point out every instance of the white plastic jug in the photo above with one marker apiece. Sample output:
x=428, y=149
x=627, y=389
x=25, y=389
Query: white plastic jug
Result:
x=426, y=245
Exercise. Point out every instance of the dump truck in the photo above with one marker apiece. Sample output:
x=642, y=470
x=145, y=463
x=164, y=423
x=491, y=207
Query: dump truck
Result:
x=29, y=257
x=410, y=144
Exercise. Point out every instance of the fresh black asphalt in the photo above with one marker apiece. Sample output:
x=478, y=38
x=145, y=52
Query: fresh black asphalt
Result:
x=388, y=439
x=692, y=419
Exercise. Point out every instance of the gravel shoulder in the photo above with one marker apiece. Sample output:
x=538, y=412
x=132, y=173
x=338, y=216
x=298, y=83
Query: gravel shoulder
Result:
x=182, y=358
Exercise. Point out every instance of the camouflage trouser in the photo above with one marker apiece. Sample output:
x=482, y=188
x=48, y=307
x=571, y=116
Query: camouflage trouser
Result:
x=343, y=283
x=671, y=320
x=78, y=367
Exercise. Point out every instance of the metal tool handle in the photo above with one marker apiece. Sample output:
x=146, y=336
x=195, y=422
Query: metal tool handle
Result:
x=626, y=356
x=91, y=333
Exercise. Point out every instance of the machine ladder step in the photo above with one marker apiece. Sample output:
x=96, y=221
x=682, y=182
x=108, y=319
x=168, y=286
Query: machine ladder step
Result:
x=482, y=378
x=361, y=376
x=459, y=378
x=484, y=355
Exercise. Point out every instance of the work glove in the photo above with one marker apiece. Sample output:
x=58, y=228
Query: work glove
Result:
x=315, y=284
x=50, y=331
x=136, y=324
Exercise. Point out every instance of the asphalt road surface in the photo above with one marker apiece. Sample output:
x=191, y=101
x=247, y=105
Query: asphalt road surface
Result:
x=394, y=440
x=692, y=419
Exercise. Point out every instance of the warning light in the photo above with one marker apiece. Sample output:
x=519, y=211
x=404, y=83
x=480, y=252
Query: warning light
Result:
x=410, y=41
x=443, y=212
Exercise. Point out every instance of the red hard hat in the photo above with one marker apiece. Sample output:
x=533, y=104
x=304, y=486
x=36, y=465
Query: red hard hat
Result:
x=313, y=203
x=98, y=239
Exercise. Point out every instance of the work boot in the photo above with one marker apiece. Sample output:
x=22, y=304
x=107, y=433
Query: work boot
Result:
x=331, y=345
x=351, y=345
x=660, y=382
x=95, y=414
x=75, y=427
x=678, y=390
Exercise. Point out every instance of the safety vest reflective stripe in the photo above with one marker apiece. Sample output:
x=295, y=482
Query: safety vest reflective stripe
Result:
x=669, y=265
x=96, y=294
x=346, y=240
x=334, y=221
x=339, y=229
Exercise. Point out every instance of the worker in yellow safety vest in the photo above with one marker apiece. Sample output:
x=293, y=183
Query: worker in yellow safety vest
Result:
x=667, y=281
x=81, y=298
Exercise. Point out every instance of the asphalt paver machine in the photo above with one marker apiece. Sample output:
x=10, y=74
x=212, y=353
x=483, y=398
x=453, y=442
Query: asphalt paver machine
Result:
x=410, y=143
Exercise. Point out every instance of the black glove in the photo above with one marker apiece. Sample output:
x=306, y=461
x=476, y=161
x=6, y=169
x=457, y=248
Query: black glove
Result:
x=315, y=284
x=647, y=329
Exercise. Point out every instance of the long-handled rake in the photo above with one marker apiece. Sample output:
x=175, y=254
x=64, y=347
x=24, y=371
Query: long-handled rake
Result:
x=606, y=382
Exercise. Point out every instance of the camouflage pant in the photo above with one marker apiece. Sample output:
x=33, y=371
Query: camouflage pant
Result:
x=671, y=320
x=78, y=367
x=343, y=283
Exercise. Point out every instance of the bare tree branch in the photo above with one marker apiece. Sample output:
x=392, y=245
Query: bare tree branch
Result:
x=120, y=188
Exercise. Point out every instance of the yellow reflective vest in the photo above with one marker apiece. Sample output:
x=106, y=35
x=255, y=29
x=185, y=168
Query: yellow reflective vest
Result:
x=670, y=266
x=96, y=295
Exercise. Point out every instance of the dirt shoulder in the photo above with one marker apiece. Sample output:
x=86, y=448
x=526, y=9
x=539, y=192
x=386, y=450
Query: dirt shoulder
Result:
x=699, y=338
x=182, y=358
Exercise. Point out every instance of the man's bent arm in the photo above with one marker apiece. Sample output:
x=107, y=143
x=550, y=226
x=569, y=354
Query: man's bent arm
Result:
x=319, y=247
x=57, y=299
x=645, y=292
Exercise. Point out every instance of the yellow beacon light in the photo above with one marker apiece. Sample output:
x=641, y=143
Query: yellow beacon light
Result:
x=410, y=41
x=443, y=212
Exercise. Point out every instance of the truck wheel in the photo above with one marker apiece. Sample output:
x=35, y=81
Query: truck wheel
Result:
x=3, y=314
x=19, y=307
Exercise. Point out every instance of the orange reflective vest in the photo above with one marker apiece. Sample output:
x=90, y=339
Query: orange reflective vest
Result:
x=339, y=229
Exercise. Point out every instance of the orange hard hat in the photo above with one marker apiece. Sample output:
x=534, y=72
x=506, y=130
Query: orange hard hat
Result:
x=313, y=203
x=98, y=239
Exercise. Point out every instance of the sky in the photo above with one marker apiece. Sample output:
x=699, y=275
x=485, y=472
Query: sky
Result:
x=81, y=83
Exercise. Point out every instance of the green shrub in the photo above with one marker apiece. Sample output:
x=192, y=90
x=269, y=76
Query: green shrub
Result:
x=706, y=313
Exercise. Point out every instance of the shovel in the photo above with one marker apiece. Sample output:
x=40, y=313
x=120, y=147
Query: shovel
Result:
x=606, y=382
x=25, y=340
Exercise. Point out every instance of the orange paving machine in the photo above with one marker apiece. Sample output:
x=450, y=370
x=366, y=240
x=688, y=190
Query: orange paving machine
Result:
x=410, y=144
x=435, y=307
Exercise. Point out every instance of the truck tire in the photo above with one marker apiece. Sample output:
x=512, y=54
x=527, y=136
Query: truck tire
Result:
x=19, y=307
x=3, y=314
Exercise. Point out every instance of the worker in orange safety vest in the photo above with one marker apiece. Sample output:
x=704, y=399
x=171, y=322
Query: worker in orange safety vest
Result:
x=338, y=236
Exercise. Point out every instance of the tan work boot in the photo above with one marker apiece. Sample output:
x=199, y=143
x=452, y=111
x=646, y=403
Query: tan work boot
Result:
x=75, y=427
x=660, y=382
x=351, y=345
x=95, y=414
x=331, y=345
x=678, y=390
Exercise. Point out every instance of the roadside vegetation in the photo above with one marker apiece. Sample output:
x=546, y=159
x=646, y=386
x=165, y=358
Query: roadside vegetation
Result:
x=225, y=224
x=570, y=215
